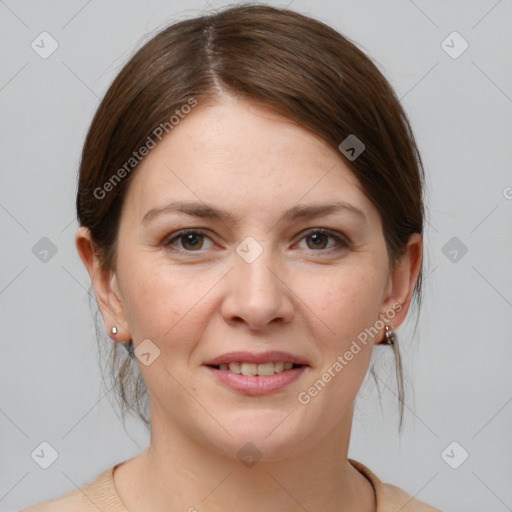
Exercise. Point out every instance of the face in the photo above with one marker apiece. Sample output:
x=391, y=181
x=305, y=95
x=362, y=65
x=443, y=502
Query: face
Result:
x=263, y=274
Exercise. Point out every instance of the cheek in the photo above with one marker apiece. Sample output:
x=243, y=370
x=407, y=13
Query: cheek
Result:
x=346, y=302
x=164, y=303
x=149, y=296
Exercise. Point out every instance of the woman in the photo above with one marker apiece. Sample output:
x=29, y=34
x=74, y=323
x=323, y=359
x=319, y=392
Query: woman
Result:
x=251, y=216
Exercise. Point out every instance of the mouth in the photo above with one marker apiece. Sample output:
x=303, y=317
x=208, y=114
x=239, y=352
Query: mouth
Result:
x=257, y=374
x=260, y=369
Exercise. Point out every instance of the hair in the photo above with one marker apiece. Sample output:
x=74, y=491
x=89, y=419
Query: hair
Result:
x=285, y=61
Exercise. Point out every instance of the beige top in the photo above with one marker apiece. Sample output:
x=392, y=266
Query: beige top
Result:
x=101, y=494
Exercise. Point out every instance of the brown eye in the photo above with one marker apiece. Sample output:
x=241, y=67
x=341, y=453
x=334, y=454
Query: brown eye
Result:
x=190, y=241
x=318, y=239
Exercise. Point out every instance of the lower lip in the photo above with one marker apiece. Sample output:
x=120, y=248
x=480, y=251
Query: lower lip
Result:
x=257, y=384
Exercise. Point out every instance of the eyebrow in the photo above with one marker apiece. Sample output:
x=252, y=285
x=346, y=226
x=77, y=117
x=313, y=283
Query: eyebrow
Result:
x=203, y=210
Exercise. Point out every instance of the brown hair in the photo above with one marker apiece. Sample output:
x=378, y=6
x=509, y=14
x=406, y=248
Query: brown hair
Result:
x=298, y=66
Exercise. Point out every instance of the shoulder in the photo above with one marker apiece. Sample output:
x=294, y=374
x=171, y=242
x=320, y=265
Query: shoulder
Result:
x=395, y=499
x=98, y=494
x=68, y=501
x=391, y=498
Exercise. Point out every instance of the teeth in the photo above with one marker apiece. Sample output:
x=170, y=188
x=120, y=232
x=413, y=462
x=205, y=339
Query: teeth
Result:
x=234, y=367
x=249, y=368
x=261, y=369
x=266, y=369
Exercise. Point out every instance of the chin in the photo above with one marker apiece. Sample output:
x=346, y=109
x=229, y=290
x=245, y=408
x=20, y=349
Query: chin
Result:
x=268, y=435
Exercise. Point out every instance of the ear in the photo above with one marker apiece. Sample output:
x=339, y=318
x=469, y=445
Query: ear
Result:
x=401, y=283
x=105, y=287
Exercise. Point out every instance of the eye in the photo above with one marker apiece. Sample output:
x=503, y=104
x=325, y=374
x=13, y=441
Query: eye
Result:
x=319, y=239
x=192, y=240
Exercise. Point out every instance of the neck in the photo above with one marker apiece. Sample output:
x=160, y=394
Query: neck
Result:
x=178, y=473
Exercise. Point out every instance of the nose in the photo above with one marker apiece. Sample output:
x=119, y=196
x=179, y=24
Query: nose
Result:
x=257, y=293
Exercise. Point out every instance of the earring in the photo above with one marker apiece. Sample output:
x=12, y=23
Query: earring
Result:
x=390, y=336
x=113, y=330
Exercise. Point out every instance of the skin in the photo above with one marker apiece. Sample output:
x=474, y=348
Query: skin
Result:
x=308, y=299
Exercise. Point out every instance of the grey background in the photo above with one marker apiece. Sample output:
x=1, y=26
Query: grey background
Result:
x=459, y=362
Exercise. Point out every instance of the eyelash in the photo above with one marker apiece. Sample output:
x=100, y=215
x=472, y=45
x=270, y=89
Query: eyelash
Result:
x=181, y=234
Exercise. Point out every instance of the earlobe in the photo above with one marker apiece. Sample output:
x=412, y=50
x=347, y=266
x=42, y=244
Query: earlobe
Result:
x=105, y=287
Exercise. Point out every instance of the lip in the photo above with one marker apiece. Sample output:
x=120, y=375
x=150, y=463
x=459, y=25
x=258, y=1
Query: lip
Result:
x=257, y=384
x=273, y=356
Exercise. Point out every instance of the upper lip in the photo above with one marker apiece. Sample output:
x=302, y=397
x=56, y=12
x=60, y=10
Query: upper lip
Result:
x=273, y=356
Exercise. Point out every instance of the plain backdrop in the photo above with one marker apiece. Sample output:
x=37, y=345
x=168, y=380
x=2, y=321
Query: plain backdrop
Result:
x=458, y=366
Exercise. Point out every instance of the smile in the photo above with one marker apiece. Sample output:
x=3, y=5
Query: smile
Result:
x=261, y=369
x=256, y=384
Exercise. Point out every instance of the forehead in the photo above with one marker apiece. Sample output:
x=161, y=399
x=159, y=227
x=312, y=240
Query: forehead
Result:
x=243, y=158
